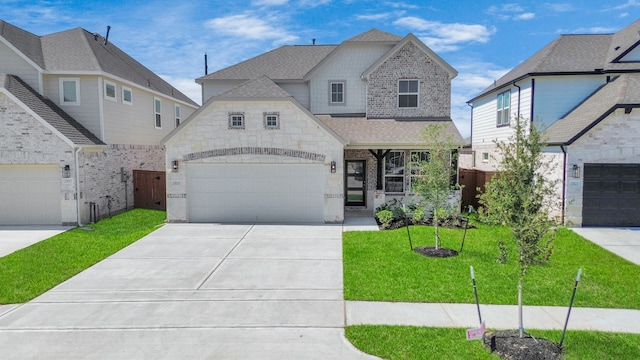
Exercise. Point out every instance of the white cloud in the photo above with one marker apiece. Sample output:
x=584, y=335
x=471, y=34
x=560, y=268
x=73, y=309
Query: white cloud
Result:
x=509, y=12
x=252, y=28
x=525, y=16
x=401, y=5
x=442, y=37
x=269, y=2
x=186, y=86
x=628, y=4
x=380, y=16
x=559, y=7
x=623, y=15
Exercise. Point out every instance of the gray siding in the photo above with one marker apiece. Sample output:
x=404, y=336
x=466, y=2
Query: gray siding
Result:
x=12, y=63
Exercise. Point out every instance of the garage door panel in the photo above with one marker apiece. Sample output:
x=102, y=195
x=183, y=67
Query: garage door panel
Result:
x=611, y=195
x=30, y=195
x=255, y=192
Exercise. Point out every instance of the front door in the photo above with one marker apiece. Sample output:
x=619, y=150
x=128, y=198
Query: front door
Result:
x=355, y=183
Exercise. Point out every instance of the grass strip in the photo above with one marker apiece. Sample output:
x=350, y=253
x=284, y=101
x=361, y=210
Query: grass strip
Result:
x=29, y=272
x=406, y=342
x=379, y=266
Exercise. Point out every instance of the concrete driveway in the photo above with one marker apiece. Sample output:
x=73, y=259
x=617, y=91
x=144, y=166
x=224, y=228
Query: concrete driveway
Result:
x=14, y=238
x=195, y=291
x=624, y=242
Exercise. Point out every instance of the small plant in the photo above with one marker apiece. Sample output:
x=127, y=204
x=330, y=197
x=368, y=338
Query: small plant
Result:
x=385, y=217
x=418, y=216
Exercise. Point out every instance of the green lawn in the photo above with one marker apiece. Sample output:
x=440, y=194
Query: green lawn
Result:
x=379, y=266
x=404, y=342
x=31, y=271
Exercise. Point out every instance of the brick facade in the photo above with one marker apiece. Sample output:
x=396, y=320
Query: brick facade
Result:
x=409, y=63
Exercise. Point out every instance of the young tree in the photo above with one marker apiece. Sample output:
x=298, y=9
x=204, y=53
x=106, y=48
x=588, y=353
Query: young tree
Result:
x=432, y=171
x=519, y=196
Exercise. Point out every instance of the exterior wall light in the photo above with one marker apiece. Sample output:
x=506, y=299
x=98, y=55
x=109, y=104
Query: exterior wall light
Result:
x=66, y=172
x=333, y=167
x=174, y=166
x=575, y=171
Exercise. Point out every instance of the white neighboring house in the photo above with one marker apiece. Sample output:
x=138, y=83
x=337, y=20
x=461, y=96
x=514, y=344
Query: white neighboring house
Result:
x=584, y=92
x=301, y=133
x=77, y=116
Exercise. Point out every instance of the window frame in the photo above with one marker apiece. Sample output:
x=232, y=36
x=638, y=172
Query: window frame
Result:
x=413, y=171
x=157, y=121
x=76, y=81
x=107, y=84
x=124, y=100
x=409, y=93
x=266, y=117
x=343, y=93
x=503, y=111
x=394, y=154
x=239, y=126
x=178, y=115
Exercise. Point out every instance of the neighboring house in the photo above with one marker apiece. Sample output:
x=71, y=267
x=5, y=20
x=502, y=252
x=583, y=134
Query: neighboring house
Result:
x=300, y=133
x=584, y=93
x=77, y=115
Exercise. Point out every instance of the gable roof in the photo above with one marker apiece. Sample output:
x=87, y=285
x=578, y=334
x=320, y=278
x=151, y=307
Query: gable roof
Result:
x=375, y=35
x=289, y=62
x=624, y=41
x=78, y=50
x=364, y=133
x=259, y=88
x=424, y=48
x=622, y=92
x=48, y=111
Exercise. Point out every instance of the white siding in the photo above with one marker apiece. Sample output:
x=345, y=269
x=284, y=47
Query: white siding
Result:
x=633, y=55
x=299, y=91
x=12, y=63
x=347, y=65
x=485, y=131
x=212, y=88
x=555, y=96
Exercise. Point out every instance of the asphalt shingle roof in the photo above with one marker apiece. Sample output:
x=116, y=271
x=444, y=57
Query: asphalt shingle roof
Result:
x=26, y=42
x=624, y=90
x=261, y=87
x=360, y=131
x=375, y=35
x=49, y=111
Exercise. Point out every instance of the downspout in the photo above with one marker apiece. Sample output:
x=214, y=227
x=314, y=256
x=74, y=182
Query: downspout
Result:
x=519, y=89
x=471, y=124
x=533, y=96
x=76, y=151
x=564, y=180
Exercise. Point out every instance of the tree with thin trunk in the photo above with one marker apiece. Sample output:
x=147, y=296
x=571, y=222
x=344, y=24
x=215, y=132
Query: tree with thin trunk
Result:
x=432, y=171
x=519, y=196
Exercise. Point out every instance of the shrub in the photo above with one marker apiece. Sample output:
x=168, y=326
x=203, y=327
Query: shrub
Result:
x=385, y=217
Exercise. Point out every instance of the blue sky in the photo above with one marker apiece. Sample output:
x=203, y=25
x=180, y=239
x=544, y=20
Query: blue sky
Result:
x=482, y=39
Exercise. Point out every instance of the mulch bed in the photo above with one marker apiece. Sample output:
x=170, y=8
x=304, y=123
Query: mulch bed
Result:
x=431, y=251
x=508, y=345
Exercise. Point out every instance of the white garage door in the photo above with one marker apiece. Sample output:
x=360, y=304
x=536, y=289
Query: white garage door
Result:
x=30, y=195
x=255, y=193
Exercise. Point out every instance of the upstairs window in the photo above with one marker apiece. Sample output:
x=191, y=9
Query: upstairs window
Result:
x=394, y=172
x=157, y=108
x=236, y=120
x=69, y=91
x=504, y=102
x=271, y=120
x=110, y=91
x=336, y=89
x=408, y=91
x=127, y=96
x=178, y=117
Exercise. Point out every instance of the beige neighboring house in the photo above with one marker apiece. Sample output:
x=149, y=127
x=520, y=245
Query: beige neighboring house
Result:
x=301, y=133
x=583, y=91
x=77, y=116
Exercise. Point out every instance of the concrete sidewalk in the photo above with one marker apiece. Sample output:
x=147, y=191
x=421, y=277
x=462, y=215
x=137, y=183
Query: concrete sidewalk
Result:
x=495, y=316
x=195, y=291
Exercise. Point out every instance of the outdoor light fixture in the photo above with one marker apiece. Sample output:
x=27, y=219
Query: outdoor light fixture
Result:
x=575, y=171
x=66, y=172
x=174, y=166
x=333, y=167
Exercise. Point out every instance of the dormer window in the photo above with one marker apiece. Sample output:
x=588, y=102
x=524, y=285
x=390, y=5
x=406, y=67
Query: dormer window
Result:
x=336, y=92
x=69, y=91
x=408, y=91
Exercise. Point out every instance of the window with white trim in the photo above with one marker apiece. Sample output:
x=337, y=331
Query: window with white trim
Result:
x=157, y=109
x=504, y=103
x=336, y=92
x=485, y=157
x=417, y=158
x=70, y=91
x=408, y=91
x=394, y=172
x=272, y=120
x=178, y=117
x=110, y=91
x=236, y=120
x=127, y=96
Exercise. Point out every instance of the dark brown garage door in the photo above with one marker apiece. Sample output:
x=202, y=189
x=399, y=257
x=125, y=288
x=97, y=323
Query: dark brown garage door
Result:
x=611, y=195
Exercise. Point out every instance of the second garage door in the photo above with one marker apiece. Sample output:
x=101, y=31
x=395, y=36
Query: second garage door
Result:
x=30, y=195
x=611, y=195
x=248, y=193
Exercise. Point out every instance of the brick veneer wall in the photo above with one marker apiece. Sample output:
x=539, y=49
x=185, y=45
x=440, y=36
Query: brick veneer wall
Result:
x=409, y=63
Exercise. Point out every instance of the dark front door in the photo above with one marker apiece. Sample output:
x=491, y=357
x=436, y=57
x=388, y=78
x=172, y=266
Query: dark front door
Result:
x=149, y=190
x=355, y=183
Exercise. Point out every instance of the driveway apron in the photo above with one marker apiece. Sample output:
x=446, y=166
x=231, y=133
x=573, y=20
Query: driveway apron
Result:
x=195, y=291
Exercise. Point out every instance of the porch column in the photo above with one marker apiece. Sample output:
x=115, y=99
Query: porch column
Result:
x=379, y=155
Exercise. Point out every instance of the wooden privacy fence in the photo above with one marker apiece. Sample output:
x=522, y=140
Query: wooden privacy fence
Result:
x=473, y=184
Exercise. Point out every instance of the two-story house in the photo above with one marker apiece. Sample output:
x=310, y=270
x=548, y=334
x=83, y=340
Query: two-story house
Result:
x=583, y=92
x=301, y=133
x=77, y=116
